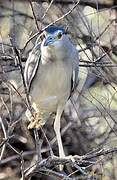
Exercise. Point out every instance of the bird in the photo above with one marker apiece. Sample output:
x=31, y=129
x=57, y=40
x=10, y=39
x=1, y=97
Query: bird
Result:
x=51, y=76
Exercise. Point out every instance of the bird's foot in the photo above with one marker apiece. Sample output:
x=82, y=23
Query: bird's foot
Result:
x=73, y=159
x=70, y=157
x=37, y=117
x=36, y=120
x=60, y=166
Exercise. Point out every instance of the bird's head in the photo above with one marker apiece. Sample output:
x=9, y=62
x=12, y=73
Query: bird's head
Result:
x=54, y=42
x=53, y=36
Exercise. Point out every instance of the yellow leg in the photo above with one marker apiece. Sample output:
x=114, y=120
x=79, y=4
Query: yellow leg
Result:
x=57, y=132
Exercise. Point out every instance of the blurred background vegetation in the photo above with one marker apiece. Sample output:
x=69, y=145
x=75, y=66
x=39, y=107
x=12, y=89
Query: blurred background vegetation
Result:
x=89, y=123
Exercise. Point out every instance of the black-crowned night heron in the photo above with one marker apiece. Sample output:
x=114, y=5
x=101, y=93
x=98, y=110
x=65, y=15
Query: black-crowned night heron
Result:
x=51, y=75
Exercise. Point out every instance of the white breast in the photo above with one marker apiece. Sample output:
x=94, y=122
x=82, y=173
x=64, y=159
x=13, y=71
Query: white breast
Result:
x=52, y=85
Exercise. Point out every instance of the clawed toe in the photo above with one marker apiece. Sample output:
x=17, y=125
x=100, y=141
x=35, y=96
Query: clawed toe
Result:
x=37, y=120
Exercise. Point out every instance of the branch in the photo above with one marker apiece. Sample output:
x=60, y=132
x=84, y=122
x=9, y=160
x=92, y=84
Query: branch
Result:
x=82, y=2
x=75, y=160
x=63, y=16
x=36, y=22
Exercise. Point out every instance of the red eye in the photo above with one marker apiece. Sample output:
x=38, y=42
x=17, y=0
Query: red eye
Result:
x=42, y=37
x=59, y=35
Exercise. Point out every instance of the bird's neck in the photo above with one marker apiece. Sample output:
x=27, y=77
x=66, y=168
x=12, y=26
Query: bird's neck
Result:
x=56, y=54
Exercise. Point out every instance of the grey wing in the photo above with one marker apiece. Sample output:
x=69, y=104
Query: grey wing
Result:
x=75, y=71
x=32, y=65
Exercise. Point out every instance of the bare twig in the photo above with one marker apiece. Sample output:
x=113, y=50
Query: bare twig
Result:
x=47, y=9
x=63, y=16
x=36, y=22
x=37, y=140
x=22, y=160
x=38, y=145
x=55, y=174
x=22, y=75
x=5, y=136
x=22, y=167
x=15, y=157
x=6, y=140
x=80, y=160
